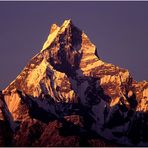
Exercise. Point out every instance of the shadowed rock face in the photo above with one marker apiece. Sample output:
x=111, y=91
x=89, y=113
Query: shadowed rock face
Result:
x=68, y=96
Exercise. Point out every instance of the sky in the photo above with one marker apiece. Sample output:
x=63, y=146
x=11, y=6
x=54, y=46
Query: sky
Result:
x=118, y=29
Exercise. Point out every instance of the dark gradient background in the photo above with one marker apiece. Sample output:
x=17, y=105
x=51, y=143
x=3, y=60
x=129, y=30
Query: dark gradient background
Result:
x=118, y=29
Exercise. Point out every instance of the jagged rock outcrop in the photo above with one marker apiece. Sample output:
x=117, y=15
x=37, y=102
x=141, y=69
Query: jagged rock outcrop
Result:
x=67, y=78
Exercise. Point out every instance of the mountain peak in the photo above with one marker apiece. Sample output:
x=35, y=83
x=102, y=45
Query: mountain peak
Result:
x=66, y=24
x=55, y=31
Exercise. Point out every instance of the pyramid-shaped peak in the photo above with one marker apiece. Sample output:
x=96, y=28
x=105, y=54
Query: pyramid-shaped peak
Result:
x=65, y=25
x=56, y=30
x=67, y=22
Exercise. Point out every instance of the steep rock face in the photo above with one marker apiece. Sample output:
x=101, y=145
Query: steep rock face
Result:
x=67, y=77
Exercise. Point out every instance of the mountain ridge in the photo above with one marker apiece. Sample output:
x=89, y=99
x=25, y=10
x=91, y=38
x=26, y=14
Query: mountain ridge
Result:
x=66, y=78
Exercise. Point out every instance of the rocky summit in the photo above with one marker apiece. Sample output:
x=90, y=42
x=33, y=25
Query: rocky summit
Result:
x=68, y=96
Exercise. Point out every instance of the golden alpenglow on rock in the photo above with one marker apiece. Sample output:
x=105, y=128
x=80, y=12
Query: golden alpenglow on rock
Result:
x=68, y=96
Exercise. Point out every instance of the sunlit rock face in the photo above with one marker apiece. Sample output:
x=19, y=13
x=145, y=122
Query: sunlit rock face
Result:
x=68, y=78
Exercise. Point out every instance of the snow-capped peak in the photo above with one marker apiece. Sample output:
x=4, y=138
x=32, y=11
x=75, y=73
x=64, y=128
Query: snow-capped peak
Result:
x=54, y=31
